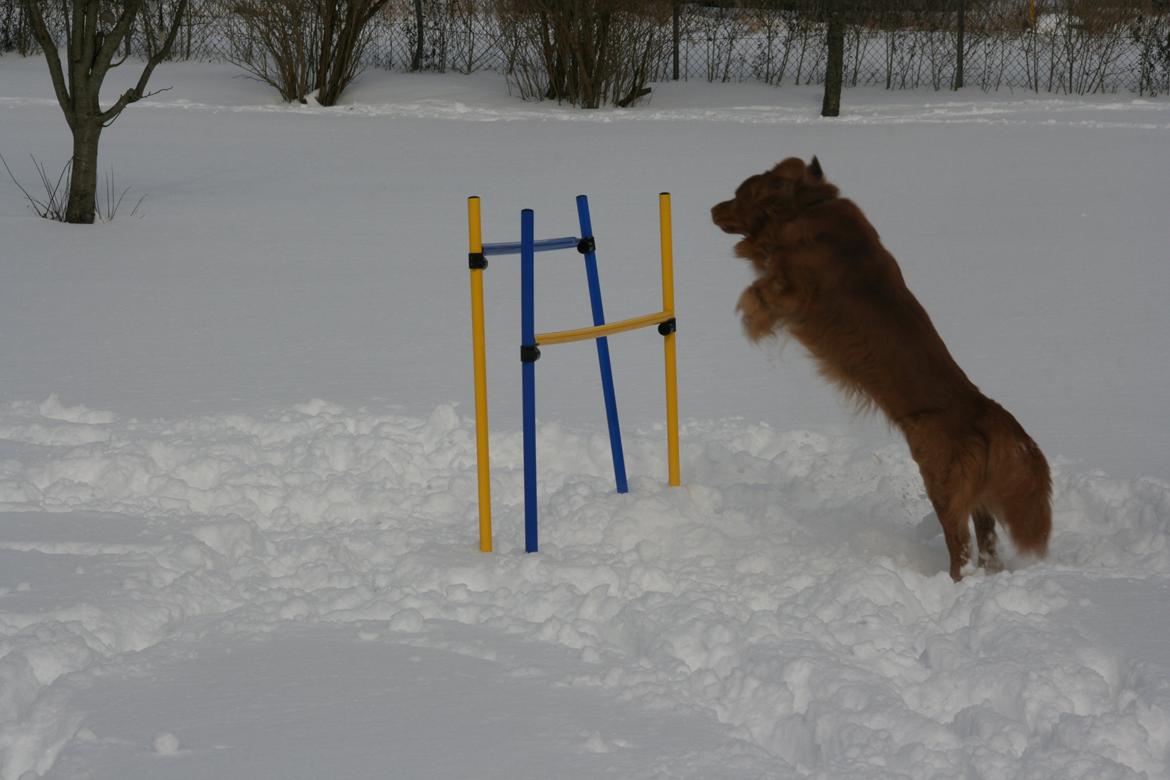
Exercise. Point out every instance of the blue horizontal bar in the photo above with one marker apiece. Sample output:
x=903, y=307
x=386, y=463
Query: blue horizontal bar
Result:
x=547, y=245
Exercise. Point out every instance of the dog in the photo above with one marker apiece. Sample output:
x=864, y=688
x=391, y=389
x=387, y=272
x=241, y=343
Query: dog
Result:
x=824, y=277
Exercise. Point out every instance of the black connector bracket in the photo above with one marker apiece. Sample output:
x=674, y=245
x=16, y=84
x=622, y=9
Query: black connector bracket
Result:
x=476, y=261
x=586, y=245
x=529, y=354
x=667, y=327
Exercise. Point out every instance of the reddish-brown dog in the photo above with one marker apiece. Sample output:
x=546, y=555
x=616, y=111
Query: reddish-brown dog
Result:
x=825, y=278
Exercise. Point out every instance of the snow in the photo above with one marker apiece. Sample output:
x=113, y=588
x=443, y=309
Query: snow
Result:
x=237, y=488
x=166, y=744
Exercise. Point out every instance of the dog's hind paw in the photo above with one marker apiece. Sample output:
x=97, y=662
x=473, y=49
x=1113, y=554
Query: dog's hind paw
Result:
x=991, y=564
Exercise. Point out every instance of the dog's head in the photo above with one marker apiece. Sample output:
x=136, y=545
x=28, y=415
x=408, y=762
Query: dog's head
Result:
x=775, y=195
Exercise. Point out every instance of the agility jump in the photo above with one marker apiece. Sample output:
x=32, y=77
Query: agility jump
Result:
x=531, y=341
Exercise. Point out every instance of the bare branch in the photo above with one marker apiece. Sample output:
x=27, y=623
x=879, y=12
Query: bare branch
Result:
x=115, y=37
x=138, y=91
x=49, y=48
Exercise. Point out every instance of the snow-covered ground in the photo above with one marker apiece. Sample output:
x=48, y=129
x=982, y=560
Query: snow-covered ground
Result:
x=237, y=496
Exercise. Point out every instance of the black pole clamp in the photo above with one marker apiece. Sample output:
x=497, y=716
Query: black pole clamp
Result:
x=667, y=327
x=476, y=261
x=529, y=353
x=586, y=245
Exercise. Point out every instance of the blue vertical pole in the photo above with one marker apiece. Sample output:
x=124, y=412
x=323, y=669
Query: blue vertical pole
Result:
x=607, y=391
x=528, y=356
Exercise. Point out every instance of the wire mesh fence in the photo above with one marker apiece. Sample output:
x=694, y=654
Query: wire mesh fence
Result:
x=1055, y=46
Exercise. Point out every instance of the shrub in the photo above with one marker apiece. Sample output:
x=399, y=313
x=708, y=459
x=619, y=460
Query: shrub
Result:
x=299, y=46
x=586, y=52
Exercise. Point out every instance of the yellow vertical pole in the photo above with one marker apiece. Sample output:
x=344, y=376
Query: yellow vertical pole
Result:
x=483, y=464
x=669, y=339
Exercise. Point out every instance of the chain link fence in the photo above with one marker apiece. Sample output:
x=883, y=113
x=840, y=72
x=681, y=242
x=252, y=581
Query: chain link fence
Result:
x=1075, y=47
x=1055, y=46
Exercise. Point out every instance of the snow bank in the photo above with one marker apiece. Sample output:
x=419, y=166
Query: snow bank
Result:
x=794, y=587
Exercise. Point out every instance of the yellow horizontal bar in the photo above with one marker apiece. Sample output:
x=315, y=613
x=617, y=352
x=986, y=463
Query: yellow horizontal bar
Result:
x=597, y=331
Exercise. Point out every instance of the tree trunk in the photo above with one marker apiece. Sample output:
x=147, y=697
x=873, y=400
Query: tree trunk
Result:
x=92, y=41
x=960, y=44
x=419, y=31
x=674, y=34
x=82, y=204
x=835, y=71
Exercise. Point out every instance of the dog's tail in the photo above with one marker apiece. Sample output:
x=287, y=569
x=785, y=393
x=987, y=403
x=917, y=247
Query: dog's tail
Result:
x=1019, y=485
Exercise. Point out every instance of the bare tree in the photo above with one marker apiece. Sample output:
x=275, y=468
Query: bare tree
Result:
x=94, y=32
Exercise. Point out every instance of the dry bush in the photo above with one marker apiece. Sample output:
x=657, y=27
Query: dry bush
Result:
x=15, y=31
x=1151, y=33
x=442, y=35
x=200, y=33
x=1078, y=46
x=588, y=53
x=299, y=46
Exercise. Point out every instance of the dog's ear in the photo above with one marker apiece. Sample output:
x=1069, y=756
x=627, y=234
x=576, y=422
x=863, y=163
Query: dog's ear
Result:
x=814, y=169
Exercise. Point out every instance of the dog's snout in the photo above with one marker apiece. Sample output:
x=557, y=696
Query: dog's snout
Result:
x=723, y=215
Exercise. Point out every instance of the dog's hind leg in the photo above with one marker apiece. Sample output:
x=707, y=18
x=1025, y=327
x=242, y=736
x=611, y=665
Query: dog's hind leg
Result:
x=985, y=539
x=949, y=488
x=958, y=537
x=952, y=516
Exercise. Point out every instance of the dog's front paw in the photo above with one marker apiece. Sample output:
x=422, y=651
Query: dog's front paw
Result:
x=748, y=250
x=758, y=316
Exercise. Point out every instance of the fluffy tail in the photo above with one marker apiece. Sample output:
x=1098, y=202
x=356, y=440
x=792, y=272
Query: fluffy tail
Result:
x=1019, y=484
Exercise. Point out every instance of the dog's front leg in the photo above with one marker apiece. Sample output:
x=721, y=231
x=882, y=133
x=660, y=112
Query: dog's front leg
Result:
x=750, y=250
x=762, y=306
